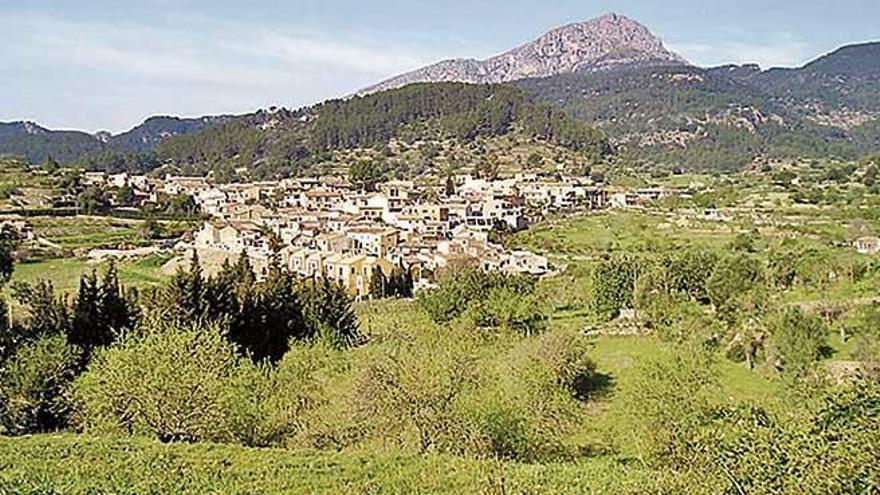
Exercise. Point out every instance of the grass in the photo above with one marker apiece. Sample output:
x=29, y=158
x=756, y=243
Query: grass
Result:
x=621, y=230
x=72, y=464
x=80, y=233
x=65, y=273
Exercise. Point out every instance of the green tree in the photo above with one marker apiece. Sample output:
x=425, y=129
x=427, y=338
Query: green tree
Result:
x=279, y=318
x=125, y=196
x=614, y=282
x=92, y=200
x=366, y=174
x=151, y=229
x=9, y=242
x=33, y=384
x=731, y=282
x=46, y=313
x=50, y=165
x=797, y=341
x=328, y=312
x=167, y=382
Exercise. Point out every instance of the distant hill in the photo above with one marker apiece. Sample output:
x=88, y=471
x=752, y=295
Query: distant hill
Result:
x=146, y=136
x=36, y=143
x=607, y=43
x=841, y=88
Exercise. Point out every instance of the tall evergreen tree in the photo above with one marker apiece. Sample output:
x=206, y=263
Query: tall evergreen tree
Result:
x=327, y=307
x=118, y=313
x=279, y=317
x=87, y=330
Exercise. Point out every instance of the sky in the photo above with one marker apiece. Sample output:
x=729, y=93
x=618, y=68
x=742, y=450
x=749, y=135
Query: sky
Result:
x=109, y=64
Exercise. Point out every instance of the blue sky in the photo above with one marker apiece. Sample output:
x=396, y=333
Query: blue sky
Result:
x=108, y=64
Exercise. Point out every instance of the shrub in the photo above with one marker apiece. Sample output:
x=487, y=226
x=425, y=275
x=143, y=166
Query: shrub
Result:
x=614, y=283
x=168, y=383
x=408, y=391
x=528, y=406
x=265, y=404
x=505, y=309
x=797, y=341
x=33, y=384
x=452, y=391
x=733, y=281
x=466, y=290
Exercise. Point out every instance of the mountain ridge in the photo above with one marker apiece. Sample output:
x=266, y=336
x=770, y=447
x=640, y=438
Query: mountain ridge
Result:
x=604, y=43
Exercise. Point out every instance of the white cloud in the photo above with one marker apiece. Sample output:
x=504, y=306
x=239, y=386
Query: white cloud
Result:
x=781, y=51
x=203, y=65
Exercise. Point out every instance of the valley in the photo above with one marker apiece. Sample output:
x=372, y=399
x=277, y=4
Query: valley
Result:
x=583, y=265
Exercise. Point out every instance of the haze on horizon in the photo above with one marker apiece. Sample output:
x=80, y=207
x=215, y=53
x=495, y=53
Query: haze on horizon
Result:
x=106, y=66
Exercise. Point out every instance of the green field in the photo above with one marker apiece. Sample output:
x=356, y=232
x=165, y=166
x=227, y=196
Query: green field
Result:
x=79, y=465
x=65, y=273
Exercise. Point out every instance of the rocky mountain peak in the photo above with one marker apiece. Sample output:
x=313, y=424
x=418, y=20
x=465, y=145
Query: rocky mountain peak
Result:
x=605, y=43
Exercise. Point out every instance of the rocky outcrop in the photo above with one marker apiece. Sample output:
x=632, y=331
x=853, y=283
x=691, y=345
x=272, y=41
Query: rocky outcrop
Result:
x=609, y=42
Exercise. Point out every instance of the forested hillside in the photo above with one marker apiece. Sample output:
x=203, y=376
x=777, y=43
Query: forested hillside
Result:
x=35, y=143
x=701, y=119
x=728, y=117
x=846, y=79
x=283, y=142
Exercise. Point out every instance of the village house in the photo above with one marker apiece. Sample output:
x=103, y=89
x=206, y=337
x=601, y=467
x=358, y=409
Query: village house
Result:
x=94, y=178
x=320, y=199
x=184, y=185
x=525, y=262
x=333, y=242
x=373, y=241
x=233, y=237
x=211, y=201
x=305, y=262
x=355, y=273
x=398, y=194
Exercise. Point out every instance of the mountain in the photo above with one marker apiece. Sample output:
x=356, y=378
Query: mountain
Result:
x=606, y=43
x=727, y=117
x=36, y=143
x=840, y=89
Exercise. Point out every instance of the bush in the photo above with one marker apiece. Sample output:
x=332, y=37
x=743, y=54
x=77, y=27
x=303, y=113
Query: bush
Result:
x=734, y=280
x=265, y=404
x=797, y=341
x=528, y=405
x=33, y=384
x=507, y=310
x=168, y=383
x=467, y=290
x=436, y=392
x=408, y=393
x=614, y=284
